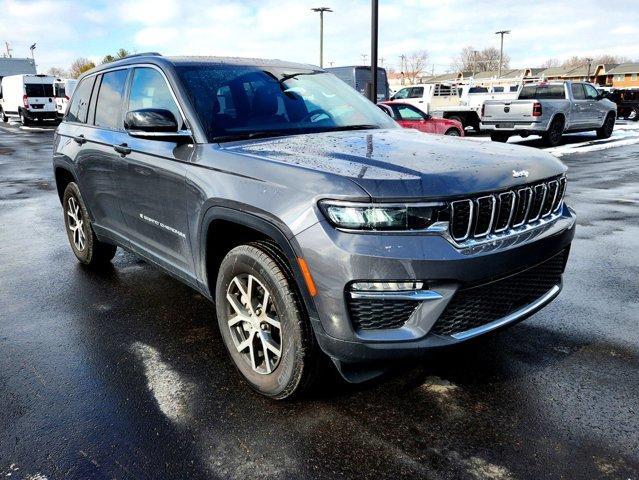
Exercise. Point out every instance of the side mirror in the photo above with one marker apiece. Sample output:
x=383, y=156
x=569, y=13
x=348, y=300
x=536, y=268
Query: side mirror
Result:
x=428, y=116
x=153, y=123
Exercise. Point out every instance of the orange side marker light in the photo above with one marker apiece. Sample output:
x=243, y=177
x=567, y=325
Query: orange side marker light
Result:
x=306, y=273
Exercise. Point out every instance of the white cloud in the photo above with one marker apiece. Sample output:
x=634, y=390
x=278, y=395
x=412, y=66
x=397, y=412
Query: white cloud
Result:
x=149, y=12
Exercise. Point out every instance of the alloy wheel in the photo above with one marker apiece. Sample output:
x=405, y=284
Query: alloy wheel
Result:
x=254, y=324
x=76, y=224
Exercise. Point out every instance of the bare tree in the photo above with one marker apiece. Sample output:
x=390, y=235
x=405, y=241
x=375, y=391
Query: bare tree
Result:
x=551, y=62
x=79, y=66
x=473, y=60
x=58, y=72
x=415, y=64
x=576, y=61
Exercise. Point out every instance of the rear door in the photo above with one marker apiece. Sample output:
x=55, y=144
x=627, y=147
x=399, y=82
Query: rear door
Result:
x=99, y=164
x=580, y=115
x=153, y=180
x=39, y=93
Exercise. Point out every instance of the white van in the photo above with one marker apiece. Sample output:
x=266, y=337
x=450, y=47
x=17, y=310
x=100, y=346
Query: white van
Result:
x=63, y=89
x=27, y=97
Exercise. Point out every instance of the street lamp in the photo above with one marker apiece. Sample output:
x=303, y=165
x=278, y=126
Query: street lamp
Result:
x=374, y=32
x=501, y=51
x=589, y=60
x=321, y=11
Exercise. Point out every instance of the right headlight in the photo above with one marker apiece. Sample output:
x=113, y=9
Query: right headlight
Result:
x=380, y=216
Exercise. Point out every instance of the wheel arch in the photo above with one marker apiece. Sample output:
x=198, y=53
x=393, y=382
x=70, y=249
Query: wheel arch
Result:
x=240, y=227
x=63, y=176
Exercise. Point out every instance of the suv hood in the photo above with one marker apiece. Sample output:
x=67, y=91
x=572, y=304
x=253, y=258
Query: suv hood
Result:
x=406, y=164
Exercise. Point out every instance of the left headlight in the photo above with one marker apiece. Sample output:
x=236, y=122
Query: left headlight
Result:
x=380, y=216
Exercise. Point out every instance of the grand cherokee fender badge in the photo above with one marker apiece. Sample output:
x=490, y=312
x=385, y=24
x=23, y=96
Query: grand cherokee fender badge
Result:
x=155, y=222
x=520, y=173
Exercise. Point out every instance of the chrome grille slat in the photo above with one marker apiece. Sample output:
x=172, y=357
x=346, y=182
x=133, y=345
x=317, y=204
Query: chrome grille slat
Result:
x=497, y=213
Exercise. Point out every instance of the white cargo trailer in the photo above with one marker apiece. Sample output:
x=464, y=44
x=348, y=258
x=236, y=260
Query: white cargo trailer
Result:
x=28, y=98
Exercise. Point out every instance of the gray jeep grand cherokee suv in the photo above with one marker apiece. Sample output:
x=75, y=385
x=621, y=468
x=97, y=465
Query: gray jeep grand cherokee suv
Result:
x=312, y=220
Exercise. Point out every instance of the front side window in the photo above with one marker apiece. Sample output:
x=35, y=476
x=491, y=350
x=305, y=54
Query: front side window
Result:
x=403, y=93
x=406, y=112
x=235, y=102
x=591, y=92
x=149, y=90
x=109, y=104
x=80, y=102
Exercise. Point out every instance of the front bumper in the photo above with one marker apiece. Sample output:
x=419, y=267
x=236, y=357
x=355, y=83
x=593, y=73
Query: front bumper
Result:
x=338, y=258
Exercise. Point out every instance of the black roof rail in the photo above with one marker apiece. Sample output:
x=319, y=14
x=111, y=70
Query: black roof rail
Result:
x=144, y=54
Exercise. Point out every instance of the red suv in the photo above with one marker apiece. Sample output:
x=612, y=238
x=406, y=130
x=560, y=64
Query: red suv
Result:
x=409, y=116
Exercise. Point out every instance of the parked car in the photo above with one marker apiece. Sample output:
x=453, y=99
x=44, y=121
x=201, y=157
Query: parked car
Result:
x=550, y=109
x=409, y=116
x=27, y=97
x=360, y=77
x=63, y=89
x=314, y=222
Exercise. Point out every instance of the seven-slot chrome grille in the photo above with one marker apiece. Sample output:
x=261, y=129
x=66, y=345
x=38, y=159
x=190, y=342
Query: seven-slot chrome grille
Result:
x=476, y=218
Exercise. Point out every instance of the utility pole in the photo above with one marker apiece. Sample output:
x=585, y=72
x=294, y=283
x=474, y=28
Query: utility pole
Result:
x=475, y=53
x=402, y=59
x=364, y=57
x=8, y=47
x=374, y=31
x=321, y=11
x=589, y=60
x=501, y=50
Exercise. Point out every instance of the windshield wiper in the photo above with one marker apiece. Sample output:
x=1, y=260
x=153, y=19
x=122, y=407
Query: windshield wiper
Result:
x=353, y=127
x=251, y=135
x=288, y=76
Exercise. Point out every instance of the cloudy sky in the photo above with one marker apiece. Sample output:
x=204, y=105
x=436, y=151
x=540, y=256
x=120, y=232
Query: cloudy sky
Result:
x=287, y=29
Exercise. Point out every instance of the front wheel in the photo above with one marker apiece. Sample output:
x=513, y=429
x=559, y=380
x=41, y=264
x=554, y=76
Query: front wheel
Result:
x=453, y=132
x=24, y=120
x=608, y=126
x=85, y=245
x=262, y=321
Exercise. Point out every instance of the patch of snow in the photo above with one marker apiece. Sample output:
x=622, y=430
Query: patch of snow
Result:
x=172, y=393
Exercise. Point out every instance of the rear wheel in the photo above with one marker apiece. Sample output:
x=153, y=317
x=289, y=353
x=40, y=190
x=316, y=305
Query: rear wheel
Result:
x=552, y=137
x=85, y=245
x=24, y=120
x=4, y=118
x=262, y=321
x=453, y=132
x=608, y=126
x=499, y=137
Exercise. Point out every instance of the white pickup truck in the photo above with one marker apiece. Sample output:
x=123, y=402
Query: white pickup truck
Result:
x=550, y=110
x=455, y=102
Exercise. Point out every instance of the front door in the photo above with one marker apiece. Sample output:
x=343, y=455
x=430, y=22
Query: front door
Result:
x=412, y=117
x=153, y=180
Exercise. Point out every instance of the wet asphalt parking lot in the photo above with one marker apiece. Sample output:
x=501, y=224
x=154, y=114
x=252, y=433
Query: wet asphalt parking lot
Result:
x=123, y=374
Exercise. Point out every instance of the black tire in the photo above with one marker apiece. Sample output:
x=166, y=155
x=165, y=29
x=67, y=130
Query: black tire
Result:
x=3, y=117
x=296, y=366
x=92, y=252
x=607, y=128
x=453, y=132
x=499, y=137
x=24, y=120
x=634, y=115
x=552, y=137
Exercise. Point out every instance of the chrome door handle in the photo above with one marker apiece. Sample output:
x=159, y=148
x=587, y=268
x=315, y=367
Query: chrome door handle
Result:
x=80, y=140
x=123, y=149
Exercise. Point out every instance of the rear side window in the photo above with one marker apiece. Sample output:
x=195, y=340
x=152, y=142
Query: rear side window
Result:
x=38, y=89
x=542, y=92
x=109, y=103
x=80, y=102
x=149, y=90
x=578, y=91
x=416, y=92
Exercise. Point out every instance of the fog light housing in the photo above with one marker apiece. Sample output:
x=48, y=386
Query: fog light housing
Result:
x=406, y=286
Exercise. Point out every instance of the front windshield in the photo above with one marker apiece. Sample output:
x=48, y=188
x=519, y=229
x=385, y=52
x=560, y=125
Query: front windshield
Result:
x=238, y=102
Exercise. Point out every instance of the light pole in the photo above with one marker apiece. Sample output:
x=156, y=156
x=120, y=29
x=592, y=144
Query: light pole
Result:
x=501, y=50
x=374, y=30
x=475, y=53
x=589, y=60
x=321, y=11
x=32, y=48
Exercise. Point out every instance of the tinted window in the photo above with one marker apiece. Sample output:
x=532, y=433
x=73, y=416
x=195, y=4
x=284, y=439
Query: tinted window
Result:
x=80, y=101
x=591, y=92
x=577, y=91
x=498, y=89
x=109, y=103
x=514, y=88
x=403, y=93
x=405, y=112
x=478, y=90
x=416, y=92
x=38, y=89
x=59, y=90
x=149, y=90
x=542, y=92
